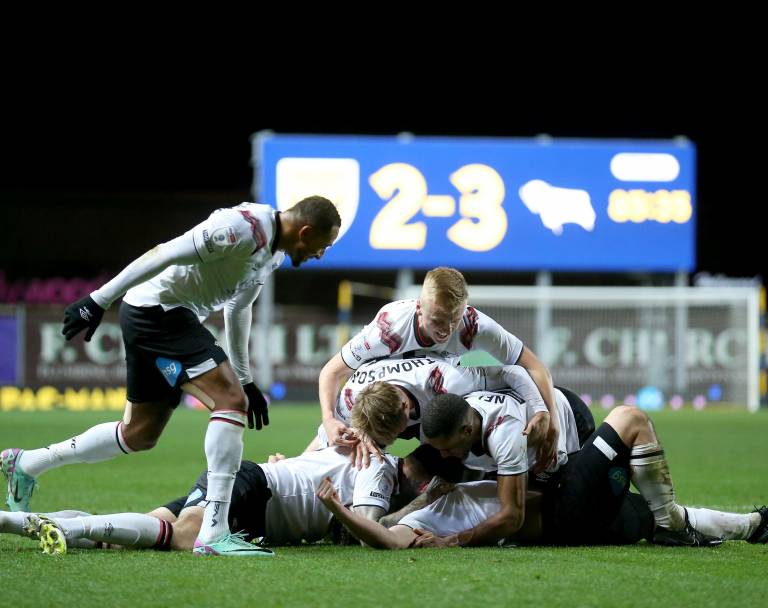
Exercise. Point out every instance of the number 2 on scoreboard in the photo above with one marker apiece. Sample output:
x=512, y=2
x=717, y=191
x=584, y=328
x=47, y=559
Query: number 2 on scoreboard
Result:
x=483, y=224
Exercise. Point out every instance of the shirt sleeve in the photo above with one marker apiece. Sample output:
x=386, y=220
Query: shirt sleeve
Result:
x=238, y=313
x=376, y=340
x=506, y=444
x=180, y=250
x=457, y=380
x=227, y=233
x=374, y=485
x=495, y=340
x=519, y=384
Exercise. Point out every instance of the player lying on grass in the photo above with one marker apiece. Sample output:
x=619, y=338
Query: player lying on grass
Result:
x=415, y=382
x=274, y=500
x=469, y=504
x=583, y=493
x=438, y=324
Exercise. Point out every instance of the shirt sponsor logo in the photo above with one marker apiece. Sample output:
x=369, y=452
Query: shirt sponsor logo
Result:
x=377, y=495
x=169, y=368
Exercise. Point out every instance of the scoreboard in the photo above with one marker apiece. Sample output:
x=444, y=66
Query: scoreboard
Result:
x=491, y=204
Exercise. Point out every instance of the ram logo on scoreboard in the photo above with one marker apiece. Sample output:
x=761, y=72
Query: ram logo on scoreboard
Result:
x=506, y=204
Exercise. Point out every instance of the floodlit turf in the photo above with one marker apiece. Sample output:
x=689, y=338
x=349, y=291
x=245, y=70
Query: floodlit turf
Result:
x=718, y=458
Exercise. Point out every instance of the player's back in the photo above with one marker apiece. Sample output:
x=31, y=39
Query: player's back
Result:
x=294, y=512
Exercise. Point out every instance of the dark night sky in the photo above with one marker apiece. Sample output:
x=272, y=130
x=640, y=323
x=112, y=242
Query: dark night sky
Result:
x=168, y=129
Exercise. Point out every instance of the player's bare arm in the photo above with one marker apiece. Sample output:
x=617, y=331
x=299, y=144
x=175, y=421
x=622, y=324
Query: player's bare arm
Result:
x=437, y=487
x=333, y=375
x=370, y=532
x=547, y=448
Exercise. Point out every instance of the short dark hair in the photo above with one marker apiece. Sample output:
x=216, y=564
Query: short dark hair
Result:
x=443, y=416
x=318, y=212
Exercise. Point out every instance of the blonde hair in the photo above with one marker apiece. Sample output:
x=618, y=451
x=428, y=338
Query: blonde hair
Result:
x=447, y=286
x=378, y=412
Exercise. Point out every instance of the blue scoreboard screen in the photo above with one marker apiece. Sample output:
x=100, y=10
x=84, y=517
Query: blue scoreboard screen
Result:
x=492, y=204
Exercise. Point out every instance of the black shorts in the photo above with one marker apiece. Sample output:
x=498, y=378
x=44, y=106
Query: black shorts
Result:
x=163, y=350
x=585, y=421
x=581, y=508
x=250, y=495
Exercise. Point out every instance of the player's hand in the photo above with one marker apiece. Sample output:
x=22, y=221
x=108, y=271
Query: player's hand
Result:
x=276, y=457
x=328, y=495
x=438, y=487
x=338, y=433
x=80, y=315
x=427, y=539
x=546, y=451
x=361, y=453
x=258, y=408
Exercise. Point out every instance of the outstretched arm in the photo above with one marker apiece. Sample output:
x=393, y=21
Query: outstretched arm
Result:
x=372, y=533
x=437, y=487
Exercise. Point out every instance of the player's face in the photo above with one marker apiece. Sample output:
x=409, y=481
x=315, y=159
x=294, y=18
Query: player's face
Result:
x=457, y=445
x=311, y=245
x=437, y=322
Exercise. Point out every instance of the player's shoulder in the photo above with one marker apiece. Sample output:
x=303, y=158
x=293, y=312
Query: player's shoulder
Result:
x=399, y=307
x=494, y=402
x=396, y=315
x=475, y=316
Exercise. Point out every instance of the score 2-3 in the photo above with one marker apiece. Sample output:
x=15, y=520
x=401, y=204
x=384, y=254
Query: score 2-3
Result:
x=483, y=222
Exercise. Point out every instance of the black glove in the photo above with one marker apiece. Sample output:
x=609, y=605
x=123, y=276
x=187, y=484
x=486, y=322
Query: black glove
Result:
x=257, y=406
x=83, y=314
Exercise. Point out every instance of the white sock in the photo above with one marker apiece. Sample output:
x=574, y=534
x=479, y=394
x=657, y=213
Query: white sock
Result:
x=101, y=442
x=125, y=529
x=224, y=450
x=13, y=523
x=731, y=526
x=650, y=474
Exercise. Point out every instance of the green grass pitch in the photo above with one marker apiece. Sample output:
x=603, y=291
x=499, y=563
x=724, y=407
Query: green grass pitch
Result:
x=718, y=459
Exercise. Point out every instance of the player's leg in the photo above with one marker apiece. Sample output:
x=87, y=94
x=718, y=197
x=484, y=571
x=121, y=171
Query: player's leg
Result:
x=135, y=530
x=223, y=446
x=752, y=527
x=151, y=398
x=246, y=514
x=650, y=474
x=591, y=489
x=142, y=424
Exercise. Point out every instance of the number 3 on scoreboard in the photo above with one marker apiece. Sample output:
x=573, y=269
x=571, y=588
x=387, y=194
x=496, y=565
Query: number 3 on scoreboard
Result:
x=483, y=224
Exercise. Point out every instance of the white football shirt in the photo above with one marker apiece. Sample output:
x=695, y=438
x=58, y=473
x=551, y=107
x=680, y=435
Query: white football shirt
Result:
x=294, y=513
x=463, y=508
x=504, y=447
x=235, y=257
x=394, y=332
x=426, y=378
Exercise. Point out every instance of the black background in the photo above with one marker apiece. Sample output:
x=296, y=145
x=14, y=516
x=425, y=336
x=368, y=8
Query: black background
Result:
x=106, y=153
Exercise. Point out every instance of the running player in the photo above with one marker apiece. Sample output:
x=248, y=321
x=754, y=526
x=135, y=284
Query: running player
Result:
x=219, y=264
